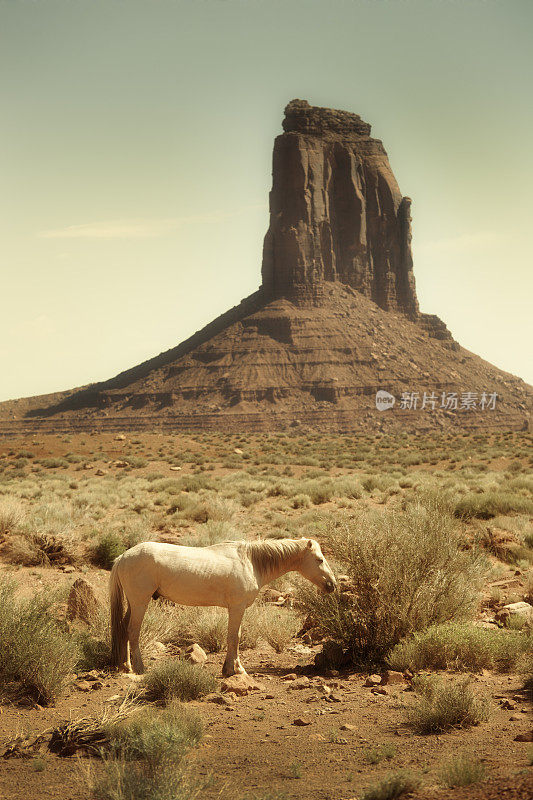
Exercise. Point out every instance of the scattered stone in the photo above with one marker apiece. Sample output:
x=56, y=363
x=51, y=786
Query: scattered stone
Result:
x=120, y=437
x=195, y=654
x=324, y=689
x=373, y=680
x=68, y=569
x=83, y=686
x=175, y=469
x=82, y=601
x=241, y=685
x=238, y=451
x=300, y=683
x=220, y=700
x=348, y=727
x=120, y=464
x=271, y=596
x=508, y=705
x=379, y=690
x=515, y=718
x=97, y=685
x=291, y=676
x=301, y=721
x=390, y=677
x=524, y=737
x=522, y=610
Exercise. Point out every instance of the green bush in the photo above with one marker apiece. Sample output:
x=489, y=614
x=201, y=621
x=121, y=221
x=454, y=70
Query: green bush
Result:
x=461, y=647
x=36, y=653
x=409, y=570
x=174, y=679
x=109, y=546
x=441, y=705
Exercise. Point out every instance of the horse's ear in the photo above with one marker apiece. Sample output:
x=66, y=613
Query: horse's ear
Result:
x=310, y=544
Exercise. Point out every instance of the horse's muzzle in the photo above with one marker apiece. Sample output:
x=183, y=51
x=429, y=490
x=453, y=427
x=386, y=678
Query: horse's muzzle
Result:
x=330, y=586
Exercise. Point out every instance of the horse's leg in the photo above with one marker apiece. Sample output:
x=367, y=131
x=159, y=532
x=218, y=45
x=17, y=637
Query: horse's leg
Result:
x=134, y=629
x=232, y=664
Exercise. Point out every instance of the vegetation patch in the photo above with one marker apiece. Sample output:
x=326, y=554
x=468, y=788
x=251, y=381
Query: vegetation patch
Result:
x=442, y=705
x=174, y=679
x=394, y=786
x=461, y=647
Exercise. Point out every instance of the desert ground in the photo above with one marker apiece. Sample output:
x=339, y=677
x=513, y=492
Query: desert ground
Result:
x=413, y=679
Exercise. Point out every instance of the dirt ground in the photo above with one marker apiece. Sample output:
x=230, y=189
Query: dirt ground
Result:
x=280, y=741
x=253, y=744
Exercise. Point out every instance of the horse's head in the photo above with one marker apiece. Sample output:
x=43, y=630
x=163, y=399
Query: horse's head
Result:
x=315, y=568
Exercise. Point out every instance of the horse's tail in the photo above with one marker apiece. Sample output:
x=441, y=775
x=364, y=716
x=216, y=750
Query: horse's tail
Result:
x=119, y=620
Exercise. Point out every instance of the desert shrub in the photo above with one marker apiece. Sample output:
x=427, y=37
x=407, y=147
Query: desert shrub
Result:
x=490, y=504
x=462, y=771
x=206, y=626
x=36, y=654
x=275, y=625
x=174, y=679
x=399, y=784
x=155, y=736
x=301, y=501
x=319, y=491
x=210, y=533
x=442, y=705
x=460, y=647
x=109, y=546
x=11, y=515
x=149, y=758
x=408, y=570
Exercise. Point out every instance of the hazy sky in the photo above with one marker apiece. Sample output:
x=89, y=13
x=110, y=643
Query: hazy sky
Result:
x=135, y=164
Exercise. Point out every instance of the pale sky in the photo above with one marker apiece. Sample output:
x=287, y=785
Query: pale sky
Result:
x=135, y=163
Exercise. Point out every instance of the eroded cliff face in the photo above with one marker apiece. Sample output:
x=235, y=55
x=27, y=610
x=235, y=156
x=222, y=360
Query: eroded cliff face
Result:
x=336, y=213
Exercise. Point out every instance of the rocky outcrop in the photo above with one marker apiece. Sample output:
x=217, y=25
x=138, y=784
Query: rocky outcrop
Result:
x=335, y=322
x=336, y=213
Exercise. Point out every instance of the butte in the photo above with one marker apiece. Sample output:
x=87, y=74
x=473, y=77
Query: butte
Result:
x=335, y=320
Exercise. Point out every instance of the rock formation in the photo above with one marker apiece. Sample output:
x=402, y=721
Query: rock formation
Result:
x=336, y=213
x=335, y=320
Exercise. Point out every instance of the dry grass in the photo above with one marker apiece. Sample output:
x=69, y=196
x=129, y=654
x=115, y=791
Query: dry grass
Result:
x=442, y=705
x=174, y=679
x=462, y=647
x=393, y=787
x=36, y=654
x=464, y=770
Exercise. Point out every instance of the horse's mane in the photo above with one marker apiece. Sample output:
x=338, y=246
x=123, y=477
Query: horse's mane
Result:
x=267, y=555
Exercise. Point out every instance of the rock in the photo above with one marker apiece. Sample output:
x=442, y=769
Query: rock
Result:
x=524, y=737
x=508, y=705
x=300, y=721
x=379, y=690
x=120, y=437
x=241, y=685
x=300, y=683
x=515, y=718
x=82, y=601
x=83, y=686
x=100, y=472
x=68, y=569
x=175, y=469
x=238, y=451
x=220, y=700
x=373, y=680
x=390, y=677
x=522, y=610
x=336, y=212
x=120, y=464
x=195, y=654
x=291, y=676
x=271, y=596
x=323, y=689
x=346, y=726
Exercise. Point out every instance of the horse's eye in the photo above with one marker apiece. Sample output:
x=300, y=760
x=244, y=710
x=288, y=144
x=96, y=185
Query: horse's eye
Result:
x=320, y=560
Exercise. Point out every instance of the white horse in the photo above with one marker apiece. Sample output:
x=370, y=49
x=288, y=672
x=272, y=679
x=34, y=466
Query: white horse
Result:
x=228, y=575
